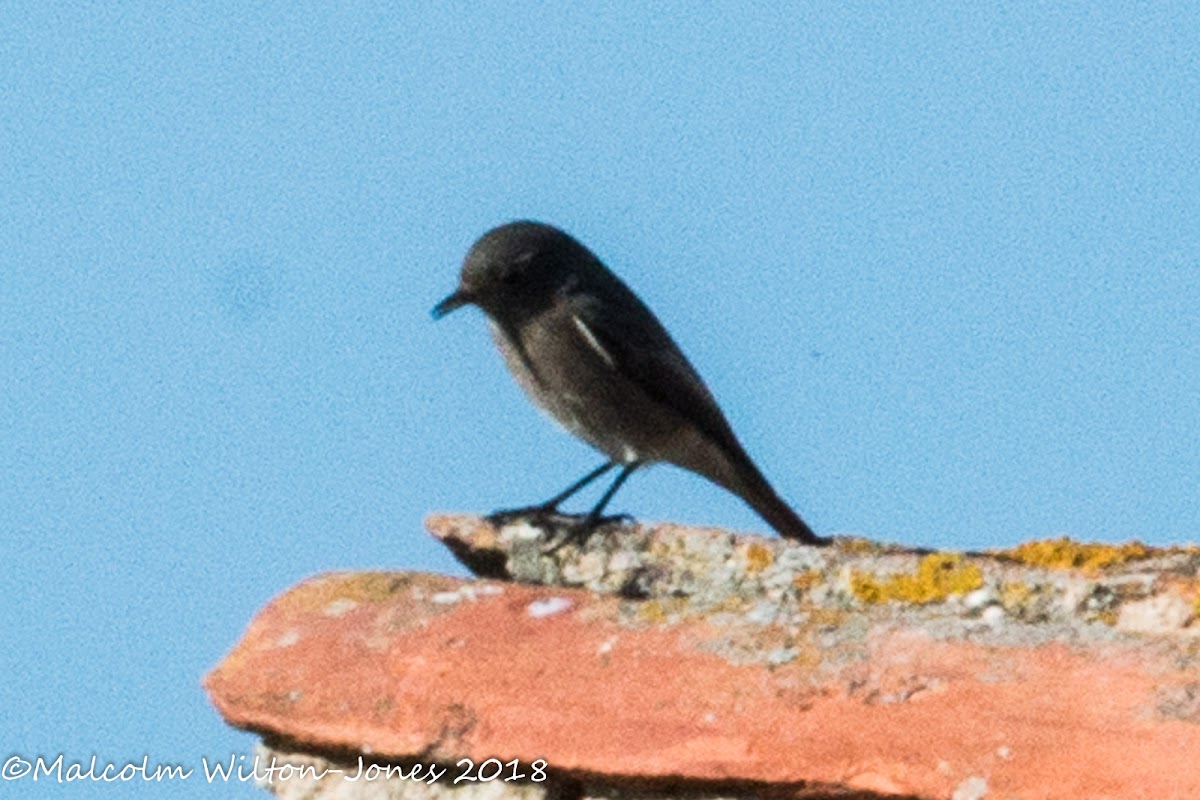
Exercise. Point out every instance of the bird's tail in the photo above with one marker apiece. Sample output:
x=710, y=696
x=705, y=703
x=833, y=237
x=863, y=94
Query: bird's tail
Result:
x=780, y=516
x=753, y=488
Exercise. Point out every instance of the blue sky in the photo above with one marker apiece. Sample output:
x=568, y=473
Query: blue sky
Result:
x=940, y=265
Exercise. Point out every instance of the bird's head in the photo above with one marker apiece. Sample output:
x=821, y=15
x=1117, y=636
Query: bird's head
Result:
x=517, y=269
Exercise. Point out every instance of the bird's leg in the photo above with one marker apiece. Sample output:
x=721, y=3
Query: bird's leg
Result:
x=581, y=530
x=550, y=507
x=594, y=516
x=554, y=502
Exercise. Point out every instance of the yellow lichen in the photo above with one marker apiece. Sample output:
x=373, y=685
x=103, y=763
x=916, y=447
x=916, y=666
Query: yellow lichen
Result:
x=659, y=610
x=826, y=617
x=1066, y=554
x=1014, y=595
x=938, y=576
x=651, y=611
x=758, y=557
x=808, y=579
x=856, y=544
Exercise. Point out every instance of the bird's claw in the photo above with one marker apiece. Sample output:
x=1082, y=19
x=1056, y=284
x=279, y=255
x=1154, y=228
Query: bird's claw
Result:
x=575, y=527
x=580, y=528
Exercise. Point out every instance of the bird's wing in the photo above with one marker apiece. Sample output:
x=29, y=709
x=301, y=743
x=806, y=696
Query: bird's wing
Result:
x=634, y=343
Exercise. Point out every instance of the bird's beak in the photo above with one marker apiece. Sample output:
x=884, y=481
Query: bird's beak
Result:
x=460, y=298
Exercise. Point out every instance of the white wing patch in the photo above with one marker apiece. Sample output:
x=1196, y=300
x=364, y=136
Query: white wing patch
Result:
x=592, y=341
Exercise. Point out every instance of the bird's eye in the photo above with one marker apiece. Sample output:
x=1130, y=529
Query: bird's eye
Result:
x=514, y=269
x=520, y=265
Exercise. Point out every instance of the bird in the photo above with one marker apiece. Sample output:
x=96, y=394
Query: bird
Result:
x=587, y=350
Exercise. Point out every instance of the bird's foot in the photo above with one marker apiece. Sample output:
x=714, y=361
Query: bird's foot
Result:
x=578, y=529
x=574, y=528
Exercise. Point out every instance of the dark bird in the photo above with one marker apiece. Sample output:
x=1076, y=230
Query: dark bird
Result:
x=586, y=349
